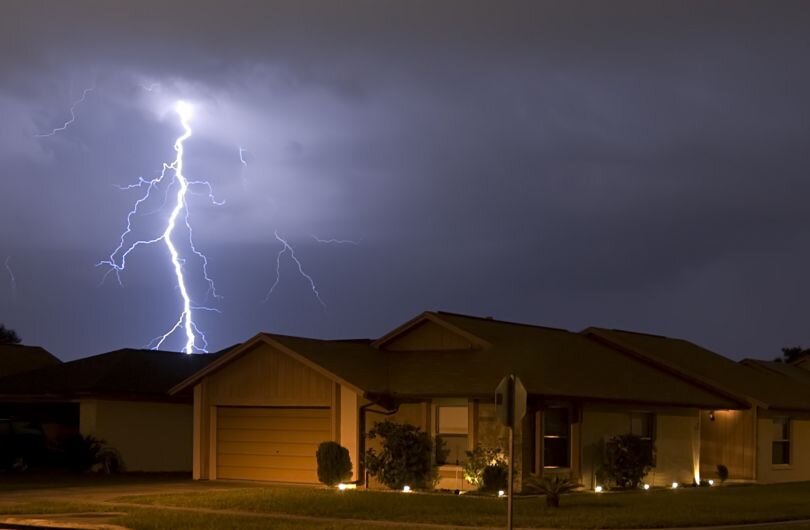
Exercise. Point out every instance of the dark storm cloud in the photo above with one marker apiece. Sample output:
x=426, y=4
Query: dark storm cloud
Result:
x=634, y=164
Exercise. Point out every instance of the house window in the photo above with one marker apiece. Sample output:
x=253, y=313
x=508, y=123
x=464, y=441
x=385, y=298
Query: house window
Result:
x=642, y=424
x=780, y=453
x=556, y=438
x=452, y=428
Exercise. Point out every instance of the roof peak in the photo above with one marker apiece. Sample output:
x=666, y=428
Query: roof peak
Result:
x=497, y=321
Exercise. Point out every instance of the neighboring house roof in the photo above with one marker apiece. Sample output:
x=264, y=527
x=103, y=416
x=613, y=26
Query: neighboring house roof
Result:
x=17, y=358
x=786, y=369
x=688, y=360
x=126, y=373
x=550, y=362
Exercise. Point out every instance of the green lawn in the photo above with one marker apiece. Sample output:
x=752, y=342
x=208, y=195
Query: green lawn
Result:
x=657, y=508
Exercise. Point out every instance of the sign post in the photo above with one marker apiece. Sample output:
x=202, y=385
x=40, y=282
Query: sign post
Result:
x=510, y=408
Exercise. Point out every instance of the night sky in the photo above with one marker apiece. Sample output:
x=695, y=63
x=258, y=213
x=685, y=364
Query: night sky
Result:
x=640, y=165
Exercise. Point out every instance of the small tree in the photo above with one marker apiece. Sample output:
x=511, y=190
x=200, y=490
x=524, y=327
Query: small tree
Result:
x=8, y=336
x=628, y=459
x=551, y=487
x=334, y=463
x=405, y=458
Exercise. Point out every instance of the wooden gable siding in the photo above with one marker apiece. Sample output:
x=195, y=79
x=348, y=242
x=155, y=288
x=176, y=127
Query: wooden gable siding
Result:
x=428, y=335
x=264, y=376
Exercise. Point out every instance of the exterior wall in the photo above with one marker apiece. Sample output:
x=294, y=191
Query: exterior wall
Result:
x=799, y=467
x=262, y=376
x=350, y=427
x=414, y=413
x=150, y=436
x=677, y=442
x=728, y=439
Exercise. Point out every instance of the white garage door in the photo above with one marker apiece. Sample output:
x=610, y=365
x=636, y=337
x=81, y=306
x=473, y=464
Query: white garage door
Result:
x=270, y=443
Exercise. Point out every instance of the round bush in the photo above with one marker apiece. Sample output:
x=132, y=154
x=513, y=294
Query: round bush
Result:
x=334, y=463
x=495, y=477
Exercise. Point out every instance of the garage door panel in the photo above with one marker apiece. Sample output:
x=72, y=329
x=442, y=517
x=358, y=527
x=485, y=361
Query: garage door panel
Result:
x=247, y=435
x=265, y=448
x=274, y=412
x=272, y=443
x=269, y=461
x=276, y=475
x=273, y=424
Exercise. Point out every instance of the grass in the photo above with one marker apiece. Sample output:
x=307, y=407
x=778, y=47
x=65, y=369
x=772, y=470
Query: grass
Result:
x=656, y=508
x=11, y=482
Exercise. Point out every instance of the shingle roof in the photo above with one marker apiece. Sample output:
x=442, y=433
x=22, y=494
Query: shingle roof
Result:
x=786, y=369
x=551, y=362
x=121, y=373
x=17, y=358
x=692, y=361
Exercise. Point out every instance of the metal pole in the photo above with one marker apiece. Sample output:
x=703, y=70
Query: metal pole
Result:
x=510, y=482
x=511, y=478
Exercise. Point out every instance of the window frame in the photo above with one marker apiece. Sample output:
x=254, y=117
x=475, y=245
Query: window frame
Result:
x=651, y=435
x=785, y=441
x=567, y=437
x=461, y=458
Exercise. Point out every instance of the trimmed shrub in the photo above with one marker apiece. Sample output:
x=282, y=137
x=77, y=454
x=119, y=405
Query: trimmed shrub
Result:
x=334, y=463
x=406, y=456
x=627, y=460
x=478, y=460
x=722, y=473
x=80, y=453
x=495, y=477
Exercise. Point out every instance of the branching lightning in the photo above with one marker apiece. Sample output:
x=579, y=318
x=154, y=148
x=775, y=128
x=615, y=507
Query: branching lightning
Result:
x=195, y=340
x=335, y=241
x=242, y=156
x=73, y=116
x=11, y=276
x=287, y=249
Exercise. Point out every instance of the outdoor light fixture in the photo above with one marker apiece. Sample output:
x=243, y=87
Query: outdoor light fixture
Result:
x=501, y=493
x=406, y=489
x=344, y=487
x=598, y=489
x=646, y=487
x=675, y=485
x=341, y=487
x=711, y=482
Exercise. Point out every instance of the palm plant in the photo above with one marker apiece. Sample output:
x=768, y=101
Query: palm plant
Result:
x=552, y=487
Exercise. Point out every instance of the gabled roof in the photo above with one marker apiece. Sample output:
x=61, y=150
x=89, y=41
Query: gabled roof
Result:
x=17, y=358
x=704, y=367
x=126, y=373
x=786, y=369
x=551, y=362
x=351, y=362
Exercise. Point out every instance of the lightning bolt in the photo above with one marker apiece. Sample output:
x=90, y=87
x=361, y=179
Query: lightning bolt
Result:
x=11, y=275
x=287, y=249
x=242, y=156
x=335, y=241
x=195, y=340
x=72, y=115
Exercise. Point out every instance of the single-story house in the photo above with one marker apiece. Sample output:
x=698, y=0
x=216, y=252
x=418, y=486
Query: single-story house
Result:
x=768, y=440
x=120, y=397
x=262, y=408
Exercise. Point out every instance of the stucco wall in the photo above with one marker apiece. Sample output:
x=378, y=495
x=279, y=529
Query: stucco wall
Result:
x=727, y=438
x=149, y=436
x=677, y=442
x=799, y=467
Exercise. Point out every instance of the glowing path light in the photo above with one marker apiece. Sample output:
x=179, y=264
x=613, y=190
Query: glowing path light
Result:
x=195, y=340
x=72, y=115
x=287, y=249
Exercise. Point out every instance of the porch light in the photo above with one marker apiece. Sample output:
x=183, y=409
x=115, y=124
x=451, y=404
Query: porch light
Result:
x=598, y=489
x=646, y=487
x=501, y=493
x=675, y=485
x=406, y=489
